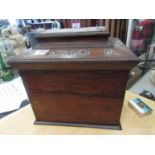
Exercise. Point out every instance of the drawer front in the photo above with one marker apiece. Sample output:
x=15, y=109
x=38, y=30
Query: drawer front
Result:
x=88, y=83
x=76, y=109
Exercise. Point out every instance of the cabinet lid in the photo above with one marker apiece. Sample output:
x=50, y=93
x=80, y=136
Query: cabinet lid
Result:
x=70, y=32
x=96, y=54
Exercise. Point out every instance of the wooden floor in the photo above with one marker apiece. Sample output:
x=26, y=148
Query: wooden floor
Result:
x=21, y=123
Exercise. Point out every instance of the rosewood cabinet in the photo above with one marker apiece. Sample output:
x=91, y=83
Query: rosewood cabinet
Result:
x=80, y=78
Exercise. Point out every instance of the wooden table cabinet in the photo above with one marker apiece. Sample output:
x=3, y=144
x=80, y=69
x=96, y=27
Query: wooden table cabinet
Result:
x=80, y=80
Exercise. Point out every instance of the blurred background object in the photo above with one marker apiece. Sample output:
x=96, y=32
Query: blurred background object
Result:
x=142, y=34
x=18, y=41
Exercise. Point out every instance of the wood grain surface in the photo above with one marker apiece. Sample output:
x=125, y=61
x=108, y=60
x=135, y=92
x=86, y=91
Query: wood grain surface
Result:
x=91, y=97
x=22, y=123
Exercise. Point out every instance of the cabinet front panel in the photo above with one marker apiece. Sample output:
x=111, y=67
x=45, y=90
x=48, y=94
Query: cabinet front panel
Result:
x=76, y=108
x=84, y=83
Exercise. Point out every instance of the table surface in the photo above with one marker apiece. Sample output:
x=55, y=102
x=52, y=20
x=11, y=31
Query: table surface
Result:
x=21, y=123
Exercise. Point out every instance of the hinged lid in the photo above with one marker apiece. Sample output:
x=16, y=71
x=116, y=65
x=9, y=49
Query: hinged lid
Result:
x=91, y=51
x=89, y=31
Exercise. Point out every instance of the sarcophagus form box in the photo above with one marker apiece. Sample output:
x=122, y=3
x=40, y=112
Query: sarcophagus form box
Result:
x=76, y=77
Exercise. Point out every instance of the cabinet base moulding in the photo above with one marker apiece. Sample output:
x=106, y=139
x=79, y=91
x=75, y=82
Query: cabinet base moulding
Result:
x=114, y=127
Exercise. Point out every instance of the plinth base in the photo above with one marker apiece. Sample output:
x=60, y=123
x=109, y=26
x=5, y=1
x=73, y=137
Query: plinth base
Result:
x=114, y=127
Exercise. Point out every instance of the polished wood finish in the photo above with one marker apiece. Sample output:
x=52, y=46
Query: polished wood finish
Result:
x=92, y=97
x=90, y=83
x=103, y=111
x=77, y=82
x=22, y=123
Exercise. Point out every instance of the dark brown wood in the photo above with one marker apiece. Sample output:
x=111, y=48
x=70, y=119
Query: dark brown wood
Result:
x=68, y=41
x=76, y=108
x=79, y=83
x=93, y=97
x=100, y=65
x=113, y=127
x=85, y=83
